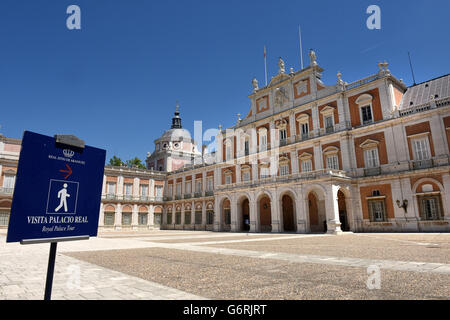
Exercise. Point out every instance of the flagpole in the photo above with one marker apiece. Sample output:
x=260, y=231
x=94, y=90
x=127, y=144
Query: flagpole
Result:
x=265, y=63
x=301, y=49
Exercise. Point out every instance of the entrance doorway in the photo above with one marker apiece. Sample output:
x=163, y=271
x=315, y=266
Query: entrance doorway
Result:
x=288, y=213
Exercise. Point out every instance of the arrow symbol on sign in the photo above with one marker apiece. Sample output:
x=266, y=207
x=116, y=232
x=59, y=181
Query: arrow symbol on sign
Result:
x=69, y=172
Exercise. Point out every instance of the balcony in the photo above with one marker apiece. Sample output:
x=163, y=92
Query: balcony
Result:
x=283, y=142
x=168, y=198
x=368, y=172
x=109, y=196
x=178, y=197
x=6, y=190
x=127, y=197
x=209, y=193
x=422, y=164
x=187, y=196
x=329, y=129
x=198, y=195
x=159, y=199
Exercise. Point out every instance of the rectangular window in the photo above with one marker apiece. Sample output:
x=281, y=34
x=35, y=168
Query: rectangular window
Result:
x=329, y=122
x=188, y=187
x=228, y=151
x=169, y=190
x=210, y=217
x=198, y=186
x=178, y=189
x=333, y=162
x=371, y=158
x=4, y=218
x=430, y=207
x=264, y=173
x=227, y=216
x=9, y=181
x=247, y=147
x=377, y=210
x=305, y=130
x=159, y=191
x=198, y=217
x=109, y=218
x=421, y=149
x=366, y=114
x=128, y=189
x=263, y=142
x=283, y=134
x=306, y=165
x=284, y=170
x=111, y=188
x=228, y=179
x=187, y=217
x=157, y=219
x=143, y=219
x=178, y=218
x=126, y=219
x=169, y=218
x=210, y=184
x=144, y=190
x=246, y=175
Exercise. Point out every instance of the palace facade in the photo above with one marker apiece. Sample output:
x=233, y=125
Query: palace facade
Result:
x=368, y=156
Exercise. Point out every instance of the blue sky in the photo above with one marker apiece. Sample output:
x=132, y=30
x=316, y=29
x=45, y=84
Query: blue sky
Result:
x=114, y=83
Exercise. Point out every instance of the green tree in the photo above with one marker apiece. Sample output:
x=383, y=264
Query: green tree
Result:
x=135, y=163
x=115, y=161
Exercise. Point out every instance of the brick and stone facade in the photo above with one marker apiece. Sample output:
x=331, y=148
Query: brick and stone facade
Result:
x=368, y=156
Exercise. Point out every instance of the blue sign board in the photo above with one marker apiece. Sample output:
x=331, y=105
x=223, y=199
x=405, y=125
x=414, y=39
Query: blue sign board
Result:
x=57, y=192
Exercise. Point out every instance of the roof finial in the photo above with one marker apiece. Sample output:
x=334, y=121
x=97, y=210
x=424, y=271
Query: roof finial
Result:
x=177, y=107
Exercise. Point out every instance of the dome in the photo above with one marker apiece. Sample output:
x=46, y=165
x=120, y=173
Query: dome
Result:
x=176, y=135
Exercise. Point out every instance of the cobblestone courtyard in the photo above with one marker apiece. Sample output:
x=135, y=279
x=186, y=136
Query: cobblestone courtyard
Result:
x=205, y=265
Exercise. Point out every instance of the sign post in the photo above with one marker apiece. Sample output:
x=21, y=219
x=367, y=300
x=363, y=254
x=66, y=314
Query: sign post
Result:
x=57, y=193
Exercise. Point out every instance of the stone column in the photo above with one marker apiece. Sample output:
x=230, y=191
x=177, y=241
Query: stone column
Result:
x=101, y=218
x=134, y=217
x=347, y=158
x=254, y=220
x=332, y=210
x=315, y=118
x=136, y=185
x=445, y=195
x=294, y=162
x=234, y=218
x=118, y=217
x=301, y=213
x=182, y=215
x=217, y=214
x=151, y=216
x=275, y=208
x=120, y=186
x=318, y=158
x=438, y=133
x=292, y=126
x=203, y=214
x=341, y=112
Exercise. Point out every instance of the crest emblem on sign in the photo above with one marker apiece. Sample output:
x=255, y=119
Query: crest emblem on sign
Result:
x=68, y=153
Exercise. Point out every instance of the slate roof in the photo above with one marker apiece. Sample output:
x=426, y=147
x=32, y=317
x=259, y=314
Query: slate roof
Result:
x=421, y=93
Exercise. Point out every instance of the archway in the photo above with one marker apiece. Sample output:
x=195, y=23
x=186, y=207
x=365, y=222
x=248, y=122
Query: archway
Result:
x=226, y=215
x=245, y=209
x=288, y=213
x=265, y=216
x=343, y=216
x=316, y=210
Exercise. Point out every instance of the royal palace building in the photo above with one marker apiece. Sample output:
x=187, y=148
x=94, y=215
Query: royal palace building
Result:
x=368, y=156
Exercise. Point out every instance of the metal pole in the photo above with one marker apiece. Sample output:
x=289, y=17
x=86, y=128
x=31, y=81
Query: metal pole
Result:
x=50, y=271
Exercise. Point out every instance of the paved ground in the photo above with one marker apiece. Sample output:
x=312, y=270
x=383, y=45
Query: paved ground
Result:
x=206, y=265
